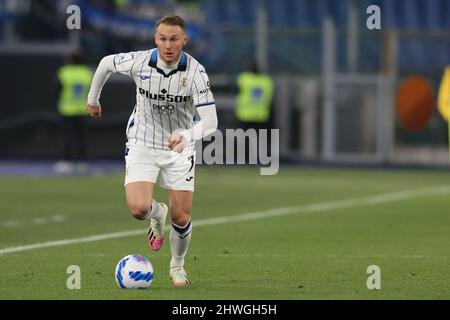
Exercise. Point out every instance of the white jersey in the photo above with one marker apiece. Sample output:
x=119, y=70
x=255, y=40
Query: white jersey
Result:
x=166, y=96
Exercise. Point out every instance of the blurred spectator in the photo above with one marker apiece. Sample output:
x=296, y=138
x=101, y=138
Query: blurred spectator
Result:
x=74, y=80
x=444, y=96
x=254, y=100
x=253, y=105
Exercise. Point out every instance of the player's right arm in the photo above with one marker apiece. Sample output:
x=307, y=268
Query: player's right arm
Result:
x=122, y=63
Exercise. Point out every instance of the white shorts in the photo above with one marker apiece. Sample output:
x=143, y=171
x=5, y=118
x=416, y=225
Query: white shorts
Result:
x=145, y=164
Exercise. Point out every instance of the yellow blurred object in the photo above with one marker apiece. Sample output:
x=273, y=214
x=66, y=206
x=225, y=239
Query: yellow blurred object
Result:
x=444, y=95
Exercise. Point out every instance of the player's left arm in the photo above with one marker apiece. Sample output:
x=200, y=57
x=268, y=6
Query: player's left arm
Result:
x=203, y=100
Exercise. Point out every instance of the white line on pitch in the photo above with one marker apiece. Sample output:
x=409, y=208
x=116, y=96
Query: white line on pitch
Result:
x=34, y=221
x=315, y=207
x=333, y=256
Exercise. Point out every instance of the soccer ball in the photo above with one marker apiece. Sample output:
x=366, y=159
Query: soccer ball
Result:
x=134, y=271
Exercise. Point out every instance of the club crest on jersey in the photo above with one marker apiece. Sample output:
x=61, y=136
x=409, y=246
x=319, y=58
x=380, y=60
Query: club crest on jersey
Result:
x=184, y=82
x=164, y=96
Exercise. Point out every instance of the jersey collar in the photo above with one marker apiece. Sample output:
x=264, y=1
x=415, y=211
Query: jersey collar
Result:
x=182, y=65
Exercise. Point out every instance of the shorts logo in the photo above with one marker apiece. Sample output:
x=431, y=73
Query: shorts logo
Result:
x=189, y=179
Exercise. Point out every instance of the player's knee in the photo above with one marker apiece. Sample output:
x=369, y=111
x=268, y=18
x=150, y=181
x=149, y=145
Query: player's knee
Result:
x=139, y=210
x=180, y=216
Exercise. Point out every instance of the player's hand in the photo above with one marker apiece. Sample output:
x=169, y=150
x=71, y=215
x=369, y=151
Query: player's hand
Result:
x=94, y=111
x=177, y=142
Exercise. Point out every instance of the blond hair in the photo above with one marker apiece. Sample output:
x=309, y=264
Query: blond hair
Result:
x=172, y=21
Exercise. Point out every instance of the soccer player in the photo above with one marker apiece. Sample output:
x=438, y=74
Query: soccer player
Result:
x=170, y=86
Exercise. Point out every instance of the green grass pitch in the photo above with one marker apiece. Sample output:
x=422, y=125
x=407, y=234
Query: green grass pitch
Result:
x=319, y=248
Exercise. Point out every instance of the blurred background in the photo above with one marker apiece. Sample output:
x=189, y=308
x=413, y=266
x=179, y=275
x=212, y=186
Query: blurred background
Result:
x=343, y=93
x=353, y=90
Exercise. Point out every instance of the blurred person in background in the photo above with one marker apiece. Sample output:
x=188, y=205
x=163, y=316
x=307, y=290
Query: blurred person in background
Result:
x=254, y=102
x=74, y=80
x=170, y=87
x=444, y=95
